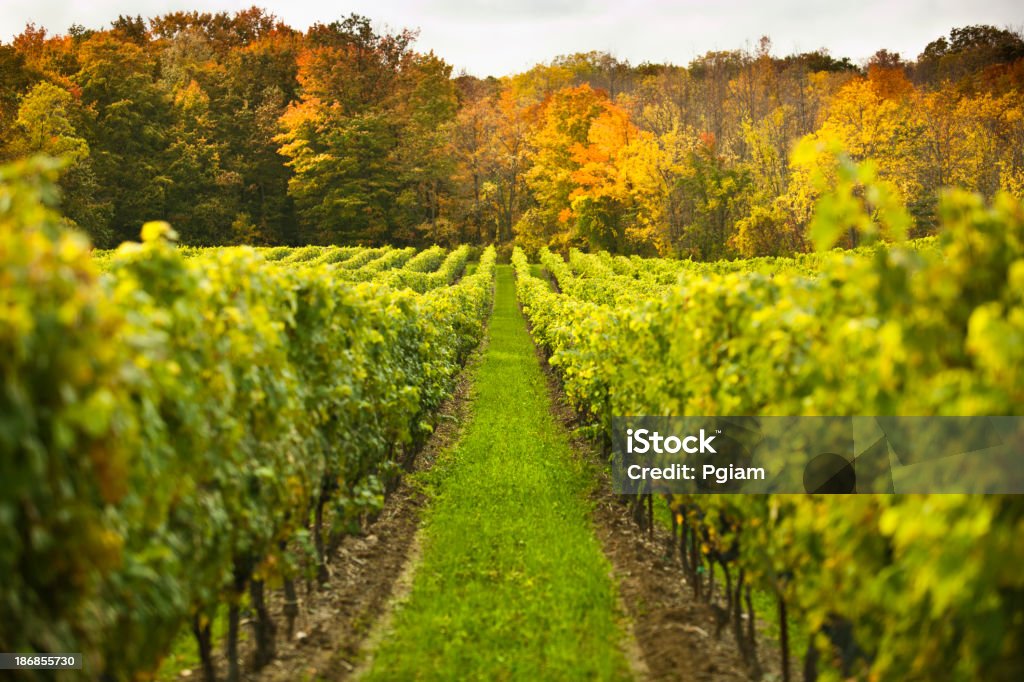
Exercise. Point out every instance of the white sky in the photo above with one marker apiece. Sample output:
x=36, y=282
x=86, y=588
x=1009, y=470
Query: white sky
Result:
x=494, y=37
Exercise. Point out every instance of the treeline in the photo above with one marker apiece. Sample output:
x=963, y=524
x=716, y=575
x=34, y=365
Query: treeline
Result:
x=240, y=129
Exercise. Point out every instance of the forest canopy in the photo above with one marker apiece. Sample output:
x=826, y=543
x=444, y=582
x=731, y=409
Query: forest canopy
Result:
x=237, y=128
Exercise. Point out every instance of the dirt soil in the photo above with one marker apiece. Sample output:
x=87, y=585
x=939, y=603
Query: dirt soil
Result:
x=675, y=633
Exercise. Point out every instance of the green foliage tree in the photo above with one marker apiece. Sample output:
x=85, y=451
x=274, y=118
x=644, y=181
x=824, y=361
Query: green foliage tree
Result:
x=260, y=81
x=363, y=95
x=15, y=80
x=48, y=122
x=129, y=133
x=968, y=50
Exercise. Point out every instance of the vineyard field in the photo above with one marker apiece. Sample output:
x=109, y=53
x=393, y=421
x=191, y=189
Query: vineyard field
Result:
x=525, y=342
x=190, y=434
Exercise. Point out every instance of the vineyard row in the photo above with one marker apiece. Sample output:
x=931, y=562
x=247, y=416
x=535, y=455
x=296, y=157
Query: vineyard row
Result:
x=898, y=587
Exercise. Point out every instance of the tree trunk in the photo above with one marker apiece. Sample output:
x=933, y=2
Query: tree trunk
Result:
x=204, y=641
x=263, y=627
x=232, y=642
x=291, y=605
x=318, y=541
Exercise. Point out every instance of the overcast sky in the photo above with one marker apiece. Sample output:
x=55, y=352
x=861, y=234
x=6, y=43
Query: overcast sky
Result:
x=494, y=37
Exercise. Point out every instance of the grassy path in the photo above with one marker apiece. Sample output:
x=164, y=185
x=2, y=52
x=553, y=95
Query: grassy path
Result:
x=512, y=583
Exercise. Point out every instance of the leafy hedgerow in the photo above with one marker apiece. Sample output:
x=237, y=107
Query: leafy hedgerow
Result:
x=169, y=426
x=930, y=584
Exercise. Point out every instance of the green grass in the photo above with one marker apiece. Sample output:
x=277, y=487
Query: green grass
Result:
x=512, y=582
x=184, y=654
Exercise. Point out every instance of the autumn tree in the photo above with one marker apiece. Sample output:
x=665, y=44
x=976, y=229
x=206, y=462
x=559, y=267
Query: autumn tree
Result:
x=362, y=97
x=15, y=80
x=715, y=197
x=47, y=57
x=426, y=106
x=563, y=123
x=488, y=143
x=260, y=81
x=877, y=118
x=966, y=52
x=602, y=203
x=49, y=121
x=240, y=129
x=337, y=138
x=469, y=137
